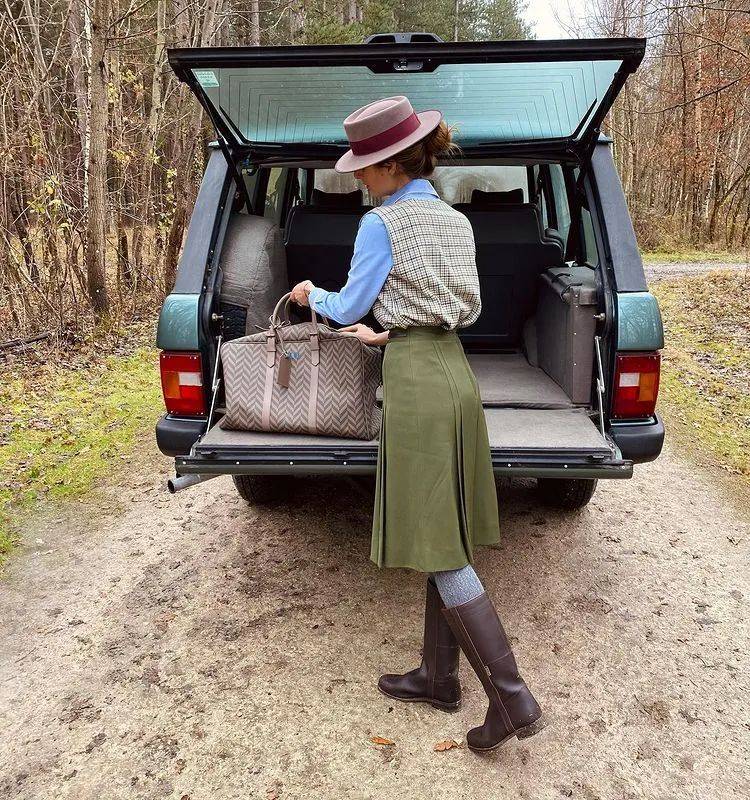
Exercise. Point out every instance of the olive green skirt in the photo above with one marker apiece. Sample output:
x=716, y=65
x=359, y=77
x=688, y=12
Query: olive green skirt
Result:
x=435, y=495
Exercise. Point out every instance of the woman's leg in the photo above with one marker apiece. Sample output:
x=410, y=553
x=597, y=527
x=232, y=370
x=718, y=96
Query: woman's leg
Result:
x=513, y=711
x=458, y=586
x=435, y=680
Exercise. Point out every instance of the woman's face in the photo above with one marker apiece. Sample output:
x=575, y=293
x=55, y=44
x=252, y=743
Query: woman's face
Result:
x=382, y=179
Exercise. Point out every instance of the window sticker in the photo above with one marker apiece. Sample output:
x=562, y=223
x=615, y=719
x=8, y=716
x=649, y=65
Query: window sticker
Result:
x=206, y=78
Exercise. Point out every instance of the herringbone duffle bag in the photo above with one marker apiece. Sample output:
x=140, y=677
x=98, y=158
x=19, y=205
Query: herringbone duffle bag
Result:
x=302, y=378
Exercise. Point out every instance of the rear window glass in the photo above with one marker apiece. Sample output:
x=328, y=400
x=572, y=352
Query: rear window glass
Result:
x=488, y=102
x=332, y=182
x=455, y=184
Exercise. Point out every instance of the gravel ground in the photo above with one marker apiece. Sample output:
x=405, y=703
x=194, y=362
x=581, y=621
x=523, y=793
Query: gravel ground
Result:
x=658, y=270
x=190, y=646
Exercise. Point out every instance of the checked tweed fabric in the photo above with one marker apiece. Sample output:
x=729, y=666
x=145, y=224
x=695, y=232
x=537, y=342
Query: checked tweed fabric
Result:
x=349, y=374
x=434, y=278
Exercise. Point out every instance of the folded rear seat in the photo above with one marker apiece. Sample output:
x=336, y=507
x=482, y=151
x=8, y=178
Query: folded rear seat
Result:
x=512, y=251
x=320, y=242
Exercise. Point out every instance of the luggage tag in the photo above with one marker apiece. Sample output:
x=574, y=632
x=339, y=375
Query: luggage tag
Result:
x=285, y=368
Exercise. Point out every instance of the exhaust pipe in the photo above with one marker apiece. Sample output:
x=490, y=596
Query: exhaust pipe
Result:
x=180, y=482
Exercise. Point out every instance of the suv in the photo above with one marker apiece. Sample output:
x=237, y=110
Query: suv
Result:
x=566, y=350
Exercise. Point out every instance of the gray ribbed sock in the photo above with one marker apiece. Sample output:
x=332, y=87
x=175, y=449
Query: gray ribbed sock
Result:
x=458, y=586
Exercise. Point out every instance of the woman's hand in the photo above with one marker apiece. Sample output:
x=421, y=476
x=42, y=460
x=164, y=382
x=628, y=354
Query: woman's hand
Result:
x=366, y=334
x=301, y=291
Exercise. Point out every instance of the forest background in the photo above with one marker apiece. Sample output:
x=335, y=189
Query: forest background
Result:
x=102, y=149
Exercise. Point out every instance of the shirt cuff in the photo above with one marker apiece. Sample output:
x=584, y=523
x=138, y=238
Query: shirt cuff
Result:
x=316, y=294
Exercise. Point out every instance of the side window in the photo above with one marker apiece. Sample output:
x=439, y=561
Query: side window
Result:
x=274, y=194
x=553, y=198
x=560, y=200
x=592, y=256
x=542, y=187
x=590, y=251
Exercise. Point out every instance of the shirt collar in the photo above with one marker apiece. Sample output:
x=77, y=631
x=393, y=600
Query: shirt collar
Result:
x=414, y=186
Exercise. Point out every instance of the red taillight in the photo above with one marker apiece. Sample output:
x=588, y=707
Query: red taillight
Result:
x=636, y=384
x=182, y=383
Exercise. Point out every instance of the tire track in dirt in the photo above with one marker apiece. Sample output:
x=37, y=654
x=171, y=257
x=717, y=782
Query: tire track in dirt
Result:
x=190, y=645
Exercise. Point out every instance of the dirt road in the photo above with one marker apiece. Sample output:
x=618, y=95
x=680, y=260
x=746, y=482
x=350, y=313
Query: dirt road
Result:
x=187, y=646
x=659, y=270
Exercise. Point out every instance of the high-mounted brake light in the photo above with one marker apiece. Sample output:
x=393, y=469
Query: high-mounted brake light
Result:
x=636, y=384
x=182, y=383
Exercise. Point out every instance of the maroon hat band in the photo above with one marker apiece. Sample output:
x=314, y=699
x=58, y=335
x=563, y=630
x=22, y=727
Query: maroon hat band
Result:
x=386, y=138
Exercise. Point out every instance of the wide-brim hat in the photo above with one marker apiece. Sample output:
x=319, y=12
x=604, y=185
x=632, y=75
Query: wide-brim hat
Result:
x=383, y=128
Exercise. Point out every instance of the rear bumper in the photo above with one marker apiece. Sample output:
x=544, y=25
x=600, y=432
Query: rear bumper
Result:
x=362, y=460
x=176, y=436
x=179, y=437
x=639, y=442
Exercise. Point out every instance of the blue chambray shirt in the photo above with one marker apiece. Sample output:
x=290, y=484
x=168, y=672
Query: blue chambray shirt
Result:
x=371, y=262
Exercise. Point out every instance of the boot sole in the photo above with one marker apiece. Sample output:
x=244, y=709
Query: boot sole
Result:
x=447, y=707
x=522, y=733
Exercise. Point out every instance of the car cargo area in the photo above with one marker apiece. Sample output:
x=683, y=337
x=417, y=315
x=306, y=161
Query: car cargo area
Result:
x=531, y=350
x=521, y=430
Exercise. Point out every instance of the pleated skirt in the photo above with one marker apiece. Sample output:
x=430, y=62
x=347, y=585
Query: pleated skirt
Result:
x=435, y=494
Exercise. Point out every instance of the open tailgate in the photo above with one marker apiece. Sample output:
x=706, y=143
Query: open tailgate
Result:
x=520, y=96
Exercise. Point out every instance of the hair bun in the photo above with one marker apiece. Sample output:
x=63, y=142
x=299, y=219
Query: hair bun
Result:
x=440, y=141
x=421, y=158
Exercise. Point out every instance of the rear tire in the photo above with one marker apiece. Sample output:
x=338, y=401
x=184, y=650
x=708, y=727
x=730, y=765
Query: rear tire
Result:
x=264, y=490
x=566, y=493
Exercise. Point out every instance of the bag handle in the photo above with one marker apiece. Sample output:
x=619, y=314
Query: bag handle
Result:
x=286, y=299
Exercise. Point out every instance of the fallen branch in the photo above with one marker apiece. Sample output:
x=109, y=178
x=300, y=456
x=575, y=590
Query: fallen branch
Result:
x=26, y=340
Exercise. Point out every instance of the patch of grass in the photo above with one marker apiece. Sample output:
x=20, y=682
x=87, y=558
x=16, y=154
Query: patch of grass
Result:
x=706, y=365
x=692, y=255
x=67, y=423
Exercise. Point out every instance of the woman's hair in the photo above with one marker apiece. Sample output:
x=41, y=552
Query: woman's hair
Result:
x=421, y=158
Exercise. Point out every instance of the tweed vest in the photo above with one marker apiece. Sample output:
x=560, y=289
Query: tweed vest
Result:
x=434, y=278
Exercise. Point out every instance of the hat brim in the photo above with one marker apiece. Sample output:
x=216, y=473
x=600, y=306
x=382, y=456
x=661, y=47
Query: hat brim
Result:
x=428, y=121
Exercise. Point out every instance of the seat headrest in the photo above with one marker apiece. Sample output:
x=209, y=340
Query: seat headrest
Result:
x=480, y=199
x=336, y=199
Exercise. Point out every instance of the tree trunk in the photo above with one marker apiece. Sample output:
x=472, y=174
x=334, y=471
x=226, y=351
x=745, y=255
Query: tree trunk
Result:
x=254, y=23
x=149, y=141
x=96, y=240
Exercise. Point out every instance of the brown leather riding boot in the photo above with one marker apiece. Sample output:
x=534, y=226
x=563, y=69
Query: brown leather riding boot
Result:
x=513, y=711
x=435, y=680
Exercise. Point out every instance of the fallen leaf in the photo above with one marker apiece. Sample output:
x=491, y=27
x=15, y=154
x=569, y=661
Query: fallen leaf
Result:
x=381, y=740
x=446, y=745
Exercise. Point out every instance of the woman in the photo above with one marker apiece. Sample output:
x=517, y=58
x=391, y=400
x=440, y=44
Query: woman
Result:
x=435, y=498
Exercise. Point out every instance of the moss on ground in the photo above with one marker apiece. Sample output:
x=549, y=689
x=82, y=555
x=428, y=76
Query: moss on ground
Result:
x=691, y=255
x=706, y=366
x=68, y=424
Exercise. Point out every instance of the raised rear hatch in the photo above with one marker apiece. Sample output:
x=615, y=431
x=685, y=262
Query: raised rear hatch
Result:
x=508, y=96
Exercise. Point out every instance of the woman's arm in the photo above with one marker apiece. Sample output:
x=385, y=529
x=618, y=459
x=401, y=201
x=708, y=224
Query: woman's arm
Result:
x=371, y=262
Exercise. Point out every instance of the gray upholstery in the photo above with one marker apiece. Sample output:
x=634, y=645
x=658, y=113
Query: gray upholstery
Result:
x=566, y=429
x=253, y=262
x=511, y=253
x=560, y=429
x=507, y=379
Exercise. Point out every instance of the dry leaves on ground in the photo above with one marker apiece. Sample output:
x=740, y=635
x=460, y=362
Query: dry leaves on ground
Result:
x=381, y=740
x=448, y=744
